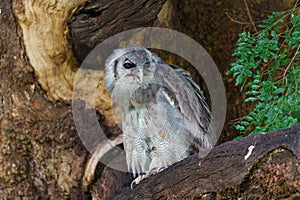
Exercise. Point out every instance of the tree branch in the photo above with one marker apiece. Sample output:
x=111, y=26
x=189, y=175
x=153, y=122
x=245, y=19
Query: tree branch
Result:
x=231, y=170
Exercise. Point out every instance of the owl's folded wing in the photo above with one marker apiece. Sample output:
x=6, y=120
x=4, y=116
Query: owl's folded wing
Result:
x=185, y=95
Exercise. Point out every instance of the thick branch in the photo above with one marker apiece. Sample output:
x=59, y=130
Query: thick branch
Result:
x=231, y=170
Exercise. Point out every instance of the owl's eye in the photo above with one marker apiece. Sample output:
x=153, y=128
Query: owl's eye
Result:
x=128, y=64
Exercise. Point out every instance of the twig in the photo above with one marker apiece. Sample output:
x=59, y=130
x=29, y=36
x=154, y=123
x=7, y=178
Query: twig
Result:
x=249, y=14
x=234, y=20
x=287, y=68
x=236, y=120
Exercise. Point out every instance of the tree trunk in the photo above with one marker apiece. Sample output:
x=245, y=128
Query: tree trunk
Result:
x=41, y=155
x=43, y=43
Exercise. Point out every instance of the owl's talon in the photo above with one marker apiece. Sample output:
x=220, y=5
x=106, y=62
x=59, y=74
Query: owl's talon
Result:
x=153, y=171
x=138, y=180
x=156, y=170
x=161, y=168
x=132, y=184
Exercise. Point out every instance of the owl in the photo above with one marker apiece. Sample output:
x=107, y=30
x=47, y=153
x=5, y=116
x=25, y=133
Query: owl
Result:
x=164, y=115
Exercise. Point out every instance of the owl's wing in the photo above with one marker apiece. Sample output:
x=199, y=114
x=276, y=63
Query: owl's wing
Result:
x=185, y=96
x=197, y=91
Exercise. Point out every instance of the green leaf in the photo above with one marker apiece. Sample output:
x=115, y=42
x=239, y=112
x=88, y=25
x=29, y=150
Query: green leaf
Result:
x=279, y=90
x=255, y=86
x=249, y=99
x=252, y=92
x=239, y=127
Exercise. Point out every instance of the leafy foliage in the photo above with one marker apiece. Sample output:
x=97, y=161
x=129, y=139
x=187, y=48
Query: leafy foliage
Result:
x=268, y=68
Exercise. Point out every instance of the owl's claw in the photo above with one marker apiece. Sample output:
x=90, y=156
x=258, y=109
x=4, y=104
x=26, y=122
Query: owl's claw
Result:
x=156, y=170
x=161, y=168
x=153, y=171
x=138, y=180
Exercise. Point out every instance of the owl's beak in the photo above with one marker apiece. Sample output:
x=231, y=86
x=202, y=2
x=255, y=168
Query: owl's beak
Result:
x=137, y=74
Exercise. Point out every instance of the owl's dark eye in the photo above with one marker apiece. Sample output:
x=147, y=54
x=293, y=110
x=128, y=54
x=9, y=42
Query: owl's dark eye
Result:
x=128, y=64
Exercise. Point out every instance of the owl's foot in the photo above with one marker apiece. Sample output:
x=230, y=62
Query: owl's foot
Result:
x=153, y=171
x=156, y=170
x=138, y=180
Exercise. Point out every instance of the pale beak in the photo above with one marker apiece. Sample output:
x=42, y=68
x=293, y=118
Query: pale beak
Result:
x=137, y=74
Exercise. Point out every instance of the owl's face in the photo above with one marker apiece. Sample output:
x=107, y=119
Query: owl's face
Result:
x=128, y=69
x=134, y=66
x=129, y=65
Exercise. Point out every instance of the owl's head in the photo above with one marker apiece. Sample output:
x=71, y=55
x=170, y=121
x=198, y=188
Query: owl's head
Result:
x=129, y=66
